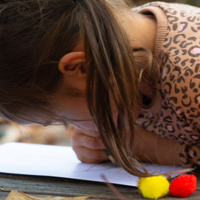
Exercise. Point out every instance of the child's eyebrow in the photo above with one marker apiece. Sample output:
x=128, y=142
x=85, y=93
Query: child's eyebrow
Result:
x=65, y=123
x=55, y=123
x=137, y=49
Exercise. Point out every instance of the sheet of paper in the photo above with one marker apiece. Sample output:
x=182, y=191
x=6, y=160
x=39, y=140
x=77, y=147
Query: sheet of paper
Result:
x=60, y=161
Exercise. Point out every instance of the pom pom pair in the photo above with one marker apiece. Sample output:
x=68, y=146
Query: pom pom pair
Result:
x=158, y=186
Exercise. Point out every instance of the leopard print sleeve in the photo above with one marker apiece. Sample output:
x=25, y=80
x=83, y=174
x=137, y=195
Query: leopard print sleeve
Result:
x=179, y=116
x=181, y=80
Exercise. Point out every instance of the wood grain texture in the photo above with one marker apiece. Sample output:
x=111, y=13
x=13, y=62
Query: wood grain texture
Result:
x=61, y=187
x=46, y=186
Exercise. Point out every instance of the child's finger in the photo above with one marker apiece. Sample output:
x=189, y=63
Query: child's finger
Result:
x=90, y=156
x=87, y=141
x=88, y=132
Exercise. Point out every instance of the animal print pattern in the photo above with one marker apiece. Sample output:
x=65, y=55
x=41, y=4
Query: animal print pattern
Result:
x=179, y=116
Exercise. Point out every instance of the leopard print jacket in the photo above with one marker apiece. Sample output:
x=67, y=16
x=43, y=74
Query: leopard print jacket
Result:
x=177, y=49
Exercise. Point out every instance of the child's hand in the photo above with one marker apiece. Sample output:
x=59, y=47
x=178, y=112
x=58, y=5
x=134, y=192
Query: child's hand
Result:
x=88, y=146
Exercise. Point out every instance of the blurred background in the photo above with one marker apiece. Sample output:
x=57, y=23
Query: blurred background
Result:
x=37, y=134
x=54, y=135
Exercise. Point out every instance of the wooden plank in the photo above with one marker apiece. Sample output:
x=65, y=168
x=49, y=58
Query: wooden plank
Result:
x=3, y=195
x=46, y=186
x=62, y=187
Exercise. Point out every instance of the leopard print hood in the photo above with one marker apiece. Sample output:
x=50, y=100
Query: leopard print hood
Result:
x=177, y=49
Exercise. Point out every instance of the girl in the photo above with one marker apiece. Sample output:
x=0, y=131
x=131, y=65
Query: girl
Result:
x=127, y=79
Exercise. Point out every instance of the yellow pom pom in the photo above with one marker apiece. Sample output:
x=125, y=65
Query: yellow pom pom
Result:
x=153, y=187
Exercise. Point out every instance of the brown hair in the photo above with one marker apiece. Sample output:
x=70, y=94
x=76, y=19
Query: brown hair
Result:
x=35, y=34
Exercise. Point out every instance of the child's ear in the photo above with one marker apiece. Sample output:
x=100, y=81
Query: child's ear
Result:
x=72, y=64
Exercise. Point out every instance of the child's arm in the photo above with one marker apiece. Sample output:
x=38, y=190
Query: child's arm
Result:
x=149, y=147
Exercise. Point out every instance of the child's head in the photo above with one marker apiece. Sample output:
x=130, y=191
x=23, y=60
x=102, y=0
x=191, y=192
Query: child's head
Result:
x=34, y=37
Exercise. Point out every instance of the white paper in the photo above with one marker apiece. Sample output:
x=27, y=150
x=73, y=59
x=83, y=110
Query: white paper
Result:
x=60, y=161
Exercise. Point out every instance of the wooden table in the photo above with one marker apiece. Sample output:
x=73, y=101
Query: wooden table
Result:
x=45, y=186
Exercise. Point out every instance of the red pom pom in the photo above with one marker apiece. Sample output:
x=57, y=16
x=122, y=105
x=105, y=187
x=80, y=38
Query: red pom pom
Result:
x=183, y=186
